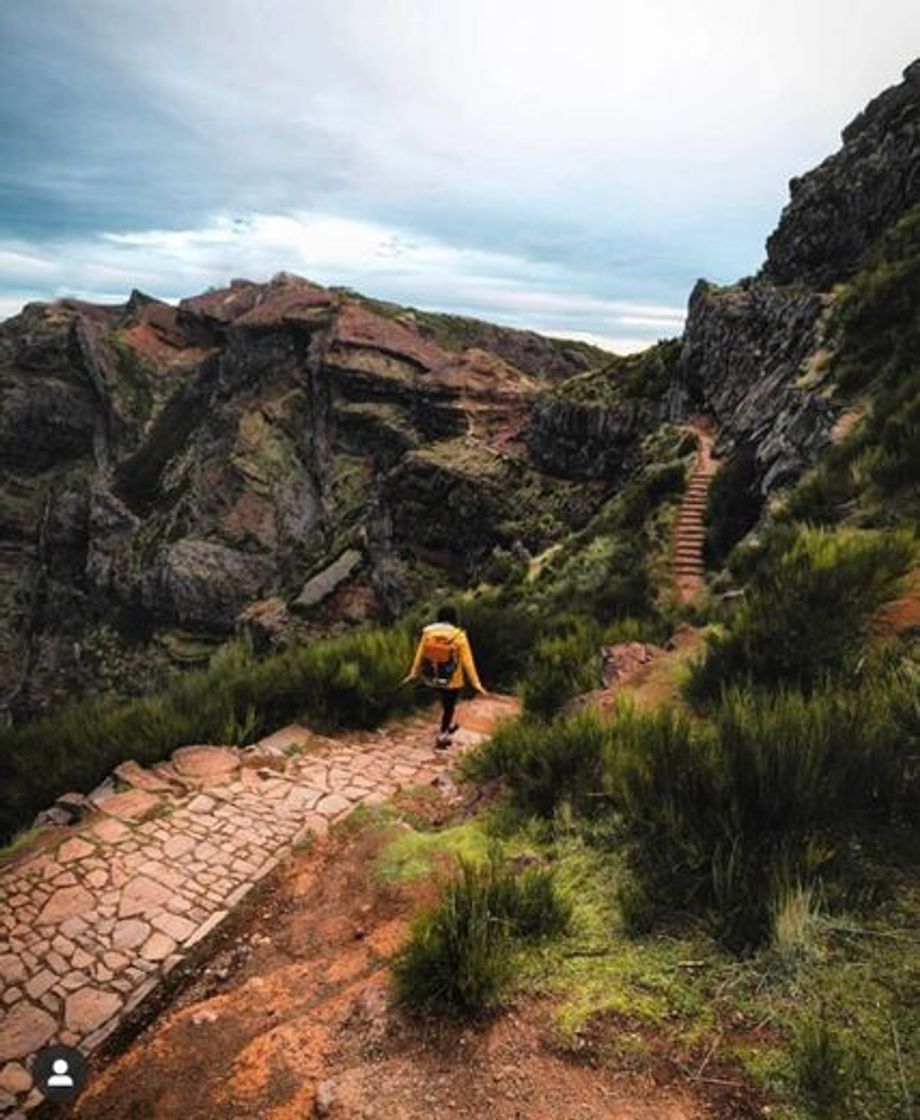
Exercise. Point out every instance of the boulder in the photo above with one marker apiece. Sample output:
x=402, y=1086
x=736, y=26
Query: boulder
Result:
x=202, y=583
x=322, y=585
x=265, y=622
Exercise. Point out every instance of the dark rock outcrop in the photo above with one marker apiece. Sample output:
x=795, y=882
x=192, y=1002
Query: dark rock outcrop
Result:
x=837, y=210
x=744, y=351
x=165, y=468
x=752, y=353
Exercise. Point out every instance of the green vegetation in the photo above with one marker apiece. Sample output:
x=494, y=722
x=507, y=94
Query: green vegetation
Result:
x=641, y=378
x=352, y=680
x=545, y=763
x=733, y=506
x=414, y=855
x=459, y=958
x=807, y=609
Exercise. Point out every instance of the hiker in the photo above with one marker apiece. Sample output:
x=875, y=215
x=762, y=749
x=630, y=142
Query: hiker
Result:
x=443, y=659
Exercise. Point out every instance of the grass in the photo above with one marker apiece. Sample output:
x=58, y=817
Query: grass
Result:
x=414, y=855
x=20, y=842
x=629, y=1002
x=459, y=958
x=807, y=609
x=351, y=680
x=544, y=763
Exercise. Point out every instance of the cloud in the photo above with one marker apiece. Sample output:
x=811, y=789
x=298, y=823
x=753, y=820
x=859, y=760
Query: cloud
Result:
x=383, y=261
x=611, y=151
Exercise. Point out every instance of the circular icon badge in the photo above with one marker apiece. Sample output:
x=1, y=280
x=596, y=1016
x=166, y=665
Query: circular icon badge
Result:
x=59, y=1072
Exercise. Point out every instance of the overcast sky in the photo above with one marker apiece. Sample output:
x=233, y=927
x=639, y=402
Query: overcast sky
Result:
x=567, y=166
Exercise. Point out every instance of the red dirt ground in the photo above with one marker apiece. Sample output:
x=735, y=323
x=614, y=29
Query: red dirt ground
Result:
x=297, y=997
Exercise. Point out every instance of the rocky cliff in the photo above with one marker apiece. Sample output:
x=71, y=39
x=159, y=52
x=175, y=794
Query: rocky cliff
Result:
x=758, y=355
x=169, y=471
x=284, y=457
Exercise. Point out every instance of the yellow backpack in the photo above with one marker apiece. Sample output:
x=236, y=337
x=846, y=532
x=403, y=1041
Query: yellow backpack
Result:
x=440, y=657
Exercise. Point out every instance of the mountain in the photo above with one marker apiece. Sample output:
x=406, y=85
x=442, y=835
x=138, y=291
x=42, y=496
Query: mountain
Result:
x=287, y=459
x=167, y=468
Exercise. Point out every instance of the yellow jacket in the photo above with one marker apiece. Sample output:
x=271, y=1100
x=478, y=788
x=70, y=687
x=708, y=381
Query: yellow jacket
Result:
x=466, y=667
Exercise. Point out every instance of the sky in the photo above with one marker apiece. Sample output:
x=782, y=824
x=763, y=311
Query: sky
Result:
x=567, y=167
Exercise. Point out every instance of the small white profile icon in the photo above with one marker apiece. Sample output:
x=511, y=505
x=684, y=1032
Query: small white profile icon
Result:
x=61, y=1077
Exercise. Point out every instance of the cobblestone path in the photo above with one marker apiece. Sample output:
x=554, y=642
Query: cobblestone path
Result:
x=90, y=925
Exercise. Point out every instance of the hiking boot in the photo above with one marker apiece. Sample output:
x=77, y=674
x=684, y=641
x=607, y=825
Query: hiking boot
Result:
x=443, y=741
x=453, y=729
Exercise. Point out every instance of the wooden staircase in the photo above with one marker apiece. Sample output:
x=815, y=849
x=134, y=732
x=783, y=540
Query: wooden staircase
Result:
x=689, y=530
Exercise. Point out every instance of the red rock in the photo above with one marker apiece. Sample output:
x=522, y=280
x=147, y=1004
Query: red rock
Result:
x=111, y=831
x=134, y=805
x=14, y=1078
x=89, y=1008
x=141, y=895
x=69, y=902
x=357, y=327
x=11, y=969
x=177, y=846
x=24, y=1030
x=157, y=947
x=137, y=777
x=206, y=763
x=333, y=806
x=179, y=929
x=75, y=848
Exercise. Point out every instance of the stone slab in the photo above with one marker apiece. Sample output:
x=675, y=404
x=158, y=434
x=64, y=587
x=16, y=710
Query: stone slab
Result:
x=132, y=805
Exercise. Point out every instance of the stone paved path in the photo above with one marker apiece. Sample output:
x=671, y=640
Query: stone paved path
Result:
x=689, y=531
x=91, y=925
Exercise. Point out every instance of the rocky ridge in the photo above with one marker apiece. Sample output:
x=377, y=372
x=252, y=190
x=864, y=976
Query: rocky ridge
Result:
x=172, y=474
x=757, y=355
x=169, y=469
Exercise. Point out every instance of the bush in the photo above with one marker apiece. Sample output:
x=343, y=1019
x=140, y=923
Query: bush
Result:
x=725, y=818
x=544, y=764
x=502, y=636
x=733, y=506
x=823, y=1067
x=807, y=609
x=350, y=680
x=561, y=667
x=458, y=959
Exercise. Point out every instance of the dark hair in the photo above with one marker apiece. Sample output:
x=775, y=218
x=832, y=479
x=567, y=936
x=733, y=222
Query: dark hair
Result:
x=448, y=613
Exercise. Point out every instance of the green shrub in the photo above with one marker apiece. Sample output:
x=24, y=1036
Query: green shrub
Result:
x=823, y=1067
x=561, y=667
x=725, y=817
x=502, y=636
x=544, y=764
x=807, y=609
x=734, y=505
x=876, y=323
x=459, y=957
x=351, y=680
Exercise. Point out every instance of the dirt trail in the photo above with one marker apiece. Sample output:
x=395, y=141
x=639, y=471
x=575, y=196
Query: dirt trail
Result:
x=292, y=1018
x=94, y=923
x=689, y=531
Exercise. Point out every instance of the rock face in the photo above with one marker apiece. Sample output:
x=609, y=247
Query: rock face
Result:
x=744, y=349
x=837, y=210
x=170, y=470
x=752, y=352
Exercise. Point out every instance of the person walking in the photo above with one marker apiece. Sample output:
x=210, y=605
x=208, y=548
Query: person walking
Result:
x=442, y=661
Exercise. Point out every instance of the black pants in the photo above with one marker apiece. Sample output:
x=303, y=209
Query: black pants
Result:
x=449, y=698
